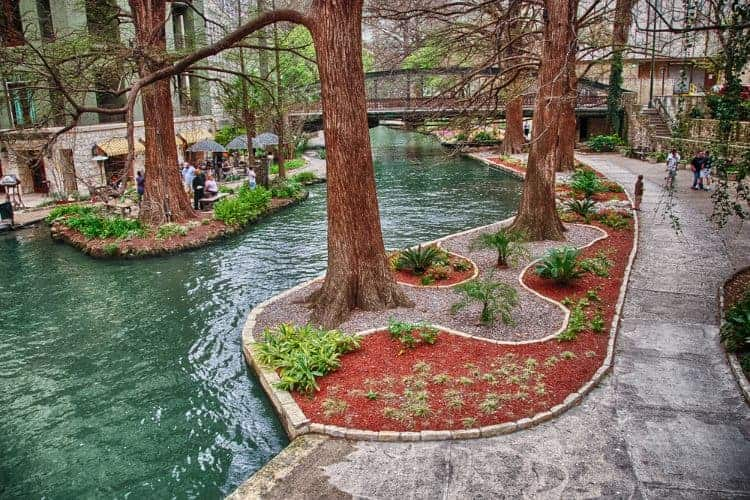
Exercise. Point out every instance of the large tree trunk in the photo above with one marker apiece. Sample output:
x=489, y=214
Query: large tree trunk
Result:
x=568, y=127
x=165, y=199
x=537, y=214
x=620, y=30
x=358, y=274
x=514, y=139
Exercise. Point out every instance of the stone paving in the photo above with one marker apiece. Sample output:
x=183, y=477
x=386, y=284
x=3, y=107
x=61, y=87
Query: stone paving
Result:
x=669, y=422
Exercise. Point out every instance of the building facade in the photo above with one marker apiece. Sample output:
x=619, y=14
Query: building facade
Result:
x=96, y=148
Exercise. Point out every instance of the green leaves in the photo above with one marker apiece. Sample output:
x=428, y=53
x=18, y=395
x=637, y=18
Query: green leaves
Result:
x=247, y=205
x=601, y=143
x=303, y=353
x=417, y=260
x=509, y=245
x=560, y=265
x=735, y=332
x=584, y=208
x=586, y=182
x=411, y=335
x=497, y=299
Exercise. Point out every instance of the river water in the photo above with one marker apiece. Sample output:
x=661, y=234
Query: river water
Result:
x=126, y=379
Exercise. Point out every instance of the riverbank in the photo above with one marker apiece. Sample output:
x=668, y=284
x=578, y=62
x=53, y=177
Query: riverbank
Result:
x=204, y=231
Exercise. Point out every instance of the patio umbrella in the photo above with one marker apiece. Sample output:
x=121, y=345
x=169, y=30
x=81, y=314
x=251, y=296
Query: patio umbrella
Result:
x=265, y=139
x=207, y=146
x=239, y=142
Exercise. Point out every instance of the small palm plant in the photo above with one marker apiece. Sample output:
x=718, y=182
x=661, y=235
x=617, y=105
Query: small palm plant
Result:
x=586, y=182
x=497, y=299
x=507, y=242
x=584, y=208
x=560, y=265
x=417, y=260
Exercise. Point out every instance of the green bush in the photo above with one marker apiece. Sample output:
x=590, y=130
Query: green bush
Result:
x=412, y=334
x=601, y=143
x=735, y=332
x=560, y=265
x=289, y=165
x=226, y=189
x=302, y=353
x=483, y=136
x=614, y=220
x=417, y=260
x=508, y=244
x=322, y=154
x=599, y=265
x=497, y=299
x=577, y=322
x=584, y=208
x=94, y=225
x=66, y=210
x=586, y=182
x=247, y=205
x=303, y=177
x=286, y=189
x=170, y=229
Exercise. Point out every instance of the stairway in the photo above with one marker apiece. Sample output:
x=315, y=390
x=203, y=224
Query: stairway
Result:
x=656, y=123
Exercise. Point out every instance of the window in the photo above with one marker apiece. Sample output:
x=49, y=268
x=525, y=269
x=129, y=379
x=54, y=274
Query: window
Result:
x=11, y=27
x=22, y=105
x=44, y=13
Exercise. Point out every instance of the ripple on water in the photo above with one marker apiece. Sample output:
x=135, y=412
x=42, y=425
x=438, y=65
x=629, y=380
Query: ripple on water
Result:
x=127, y=379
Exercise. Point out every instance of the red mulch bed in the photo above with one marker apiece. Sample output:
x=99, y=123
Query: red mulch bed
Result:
x=454, y=277
x=735, y=287
x=387, y=369
x=516, y=167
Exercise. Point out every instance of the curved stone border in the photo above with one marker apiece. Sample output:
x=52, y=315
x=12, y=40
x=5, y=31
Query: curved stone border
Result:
x=296, y=423
x=502, y=168
x=60, y=233
x=473, y=275
x=732, y=358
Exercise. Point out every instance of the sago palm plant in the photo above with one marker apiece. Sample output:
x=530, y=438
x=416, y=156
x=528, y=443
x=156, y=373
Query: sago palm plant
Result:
x=508, y=244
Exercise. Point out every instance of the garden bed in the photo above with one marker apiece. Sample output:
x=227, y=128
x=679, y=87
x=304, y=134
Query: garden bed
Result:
x=201, y=232
x=515, y=166
x=456, y=270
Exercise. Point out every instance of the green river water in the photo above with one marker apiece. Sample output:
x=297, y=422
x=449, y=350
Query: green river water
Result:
x=126, y=379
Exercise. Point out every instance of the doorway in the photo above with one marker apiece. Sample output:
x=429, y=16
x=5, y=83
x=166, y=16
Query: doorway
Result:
x=38, y=175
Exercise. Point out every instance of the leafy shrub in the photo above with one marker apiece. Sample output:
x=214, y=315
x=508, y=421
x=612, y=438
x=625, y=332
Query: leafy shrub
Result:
x=95, y=225
x=735, y=332
x=597, y=322
x=247, y=205
x=696, y=113
x=614, y=220
x=461, y=266
x=584, y=208
x=170, y=229
x=599, y=265
x=417, y=260
x=322, y=154
x=508, y=244
x=303, y=177
x=427, y=280
x=601, y=143
x=439, y=272
x=586, y=182
x=576, y=323
x=560, y=265
x=66, y=210
x=287, y=189
x=302, y=353
x=497, y=299
x=289, y=165
x=411, y=335
x=483, y=136
x=659, y=156
x=226, y=189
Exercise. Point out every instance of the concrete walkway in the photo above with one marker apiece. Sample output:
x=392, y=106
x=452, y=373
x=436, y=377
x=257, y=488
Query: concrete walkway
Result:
x=669, y=422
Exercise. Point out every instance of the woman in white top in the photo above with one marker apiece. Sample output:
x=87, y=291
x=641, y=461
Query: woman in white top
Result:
x=251, y=177
x=211, y=188
x=673, y=159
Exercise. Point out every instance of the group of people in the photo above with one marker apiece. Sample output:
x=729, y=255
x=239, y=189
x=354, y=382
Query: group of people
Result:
x=700, y=166
x=202, y=185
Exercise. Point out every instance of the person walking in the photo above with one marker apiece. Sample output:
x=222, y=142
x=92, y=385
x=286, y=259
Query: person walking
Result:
x=696, y=165
x=198, y=183
x=140, y=184
x=638, y=193
x=673, y=160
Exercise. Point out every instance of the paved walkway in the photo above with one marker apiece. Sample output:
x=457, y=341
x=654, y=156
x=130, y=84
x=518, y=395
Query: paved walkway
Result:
x=669, y=421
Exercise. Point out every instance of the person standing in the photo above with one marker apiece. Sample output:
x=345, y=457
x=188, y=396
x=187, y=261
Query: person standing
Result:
x=706, y=171
x=638, y=193
x=198, y=183
x=673, y=160
x=140, y=184
x=211, y=188
x=696, y=165
x=251, y=177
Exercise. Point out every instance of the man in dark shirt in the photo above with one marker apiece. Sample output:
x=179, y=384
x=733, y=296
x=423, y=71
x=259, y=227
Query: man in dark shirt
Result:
x=695, y=166
x=199, y=181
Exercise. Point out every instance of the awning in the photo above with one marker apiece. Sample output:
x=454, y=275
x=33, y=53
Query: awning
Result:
x=193, y=136
x=117, y=146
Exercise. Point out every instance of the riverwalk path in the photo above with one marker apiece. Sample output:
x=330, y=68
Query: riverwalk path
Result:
x=669, y=421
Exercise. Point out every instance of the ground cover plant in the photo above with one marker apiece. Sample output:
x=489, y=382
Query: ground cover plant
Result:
x=560, y=265
x=285, y=189
x=603, y=143
x=735, y=331
x=410, y=335
x=92, y=223
x=289, y=165
x=429, y=265
x=303, y=177
x=240, y=209
x=303, y=353
x=586, y=182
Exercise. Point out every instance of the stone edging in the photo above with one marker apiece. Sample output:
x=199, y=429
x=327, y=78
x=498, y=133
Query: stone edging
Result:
x=490, y=164
x=732, y=358
x=296, y=423
x=60, y=233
